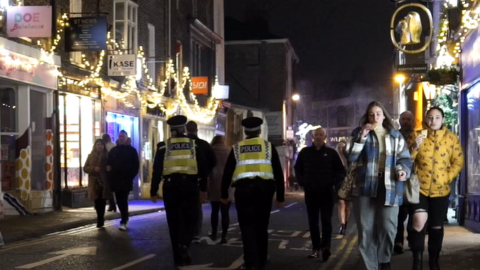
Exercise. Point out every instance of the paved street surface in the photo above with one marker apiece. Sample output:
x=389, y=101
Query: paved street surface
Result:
x=146, y=245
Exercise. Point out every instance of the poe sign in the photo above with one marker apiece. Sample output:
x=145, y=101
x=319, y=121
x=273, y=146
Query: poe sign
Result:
x=29, y=21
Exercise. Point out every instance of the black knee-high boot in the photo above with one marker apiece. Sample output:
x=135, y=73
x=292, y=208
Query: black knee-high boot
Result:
x=417, y=244
x=435, y=240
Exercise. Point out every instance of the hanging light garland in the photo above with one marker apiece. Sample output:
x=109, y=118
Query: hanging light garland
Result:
x=150, y=99
x=469, y=21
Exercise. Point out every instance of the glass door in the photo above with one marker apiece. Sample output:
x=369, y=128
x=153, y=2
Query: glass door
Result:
x=38, y=113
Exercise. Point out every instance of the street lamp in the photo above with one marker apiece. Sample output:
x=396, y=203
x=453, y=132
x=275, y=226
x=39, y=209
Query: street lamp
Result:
x=400, y=78
x=296, y=97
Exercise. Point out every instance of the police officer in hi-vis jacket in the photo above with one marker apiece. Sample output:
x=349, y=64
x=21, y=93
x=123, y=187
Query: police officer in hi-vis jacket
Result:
x=253, y=168
x=180, y=165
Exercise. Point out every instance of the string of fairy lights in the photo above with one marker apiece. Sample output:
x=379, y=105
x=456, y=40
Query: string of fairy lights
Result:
x=469, y=21
x=153, y=98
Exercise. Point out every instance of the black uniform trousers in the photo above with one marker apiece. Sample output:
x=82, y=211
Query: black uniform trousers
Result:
x=320, y=206
x=253, y=200
x=181, y=197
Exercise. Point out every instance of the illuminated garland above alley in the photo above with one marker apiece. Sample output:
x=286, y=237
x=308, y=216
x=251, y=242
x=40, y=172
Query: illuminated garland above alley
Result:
x=152, y=98
x=470, y=20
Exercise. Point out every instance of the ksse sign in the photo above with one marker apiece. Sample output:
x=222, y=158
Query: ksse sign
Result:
x=29, y=21
x=122, y=65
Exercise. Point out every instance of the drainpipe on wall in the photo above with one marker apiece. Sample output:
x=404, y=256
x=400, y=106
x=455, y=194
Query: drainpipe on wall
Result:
x=169, y=40
x=57, y=185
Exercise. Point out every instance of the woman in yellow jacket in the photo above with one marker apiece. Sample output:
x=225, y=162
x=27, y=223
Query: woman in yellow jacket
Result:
x=438, y=159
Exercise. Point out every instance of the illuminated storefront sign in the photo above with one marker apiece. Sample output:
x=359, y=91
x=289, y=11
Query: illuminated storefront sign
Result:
x=410, y=28
x=29, y=21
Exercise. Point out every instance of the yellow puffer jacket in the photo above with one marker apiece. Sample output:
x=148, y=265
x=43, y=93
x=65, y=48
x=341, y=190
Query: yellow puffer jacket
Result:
x=438, y=161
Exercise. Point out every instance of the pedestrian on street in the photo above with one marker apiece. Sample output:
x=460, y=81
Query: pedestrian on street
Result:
x=109, y=145
x=214, y=189
x=343, y=204
x=319, y=169
x=206, y=150
x=122, y=166
x=180, y=163
x=253, y=168
x=407, y=123
x=381, y=159
x=438, y=158
x=98, y=186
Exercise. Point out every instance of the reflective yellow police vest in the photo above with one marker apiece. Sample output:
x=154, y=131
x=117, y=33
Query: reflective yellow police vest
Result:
x=180, y=157
x=254, y=159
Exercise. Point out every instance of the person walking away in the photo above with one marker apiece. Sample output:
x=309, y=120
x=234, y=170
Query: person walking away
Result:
x=438, y=158
x=122, y=166
x=180, y=164
x=204, y=148
x=319, y=169
x=343, y=204
x=98, y=187
x=382, y=163
x=253, y=168
x=407, y=121
x=107, y=140
x=214, y=189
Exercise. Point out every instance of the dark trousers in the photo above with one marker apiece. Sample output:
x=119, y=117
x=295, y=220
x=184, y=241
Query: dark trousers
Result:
x=320, y=206
x=402, y=216
x=181, y=197
x=197, y=230
x=254, y=203
x=122, y=203
x=100, y=205
x=224, y=209
x=437, y=209
x=112, y=204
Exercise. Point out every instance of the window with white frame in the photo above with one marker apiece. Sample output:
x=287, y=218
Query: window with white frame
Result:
x=75, y=10
x=125, y=25
x=151, y=52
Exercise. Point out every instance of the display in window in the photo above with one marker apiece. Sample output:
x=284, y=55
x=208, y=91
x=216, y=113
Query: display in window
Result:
x=473, y=149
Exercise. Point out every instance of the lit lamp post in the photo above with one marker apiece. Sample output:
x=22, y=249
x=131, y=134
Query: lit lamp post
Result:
x=296, y=97
x=402, y=102
x=430, y=91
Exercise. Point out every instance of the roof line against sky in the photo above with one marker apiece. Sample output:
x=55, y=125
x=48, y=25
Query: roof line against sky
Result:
x=286, y=41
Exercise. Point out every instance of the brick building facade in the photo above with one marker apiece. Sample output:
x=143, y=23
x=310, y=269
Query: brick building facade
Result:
x=164, y=36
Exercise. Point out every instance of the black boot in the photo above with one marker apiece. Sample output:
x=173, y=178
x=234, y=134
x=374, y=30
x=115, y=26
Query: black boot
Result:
x=435, y=239
x=417, y=260
x=417, y=244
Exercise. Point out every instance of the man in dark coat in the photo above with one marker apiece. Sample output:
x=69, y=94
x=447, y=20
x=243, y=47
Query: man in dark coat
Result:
x=319, y=169
x=207, y=151
x=122, y=166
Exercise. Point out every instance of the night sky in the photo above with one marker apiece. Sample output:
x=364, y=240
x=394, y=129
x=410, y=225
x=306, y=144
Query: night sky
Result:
x=334, y=39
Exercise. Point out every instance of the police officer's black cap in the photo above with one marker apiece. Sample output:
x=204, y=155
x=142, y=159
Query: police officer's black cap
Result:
x=252, y=123
x=177, y=121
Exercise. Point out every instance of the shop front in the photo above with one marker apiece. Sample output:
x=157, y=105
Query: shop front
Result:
x=469, y=188
x=124, y=115
x=80, y=120
x=26, y=134
x=153, y=130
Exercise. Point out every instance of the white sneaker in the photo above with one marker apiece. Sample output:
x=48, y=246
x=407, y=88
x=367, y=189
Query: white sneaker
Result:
x=123, y=227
